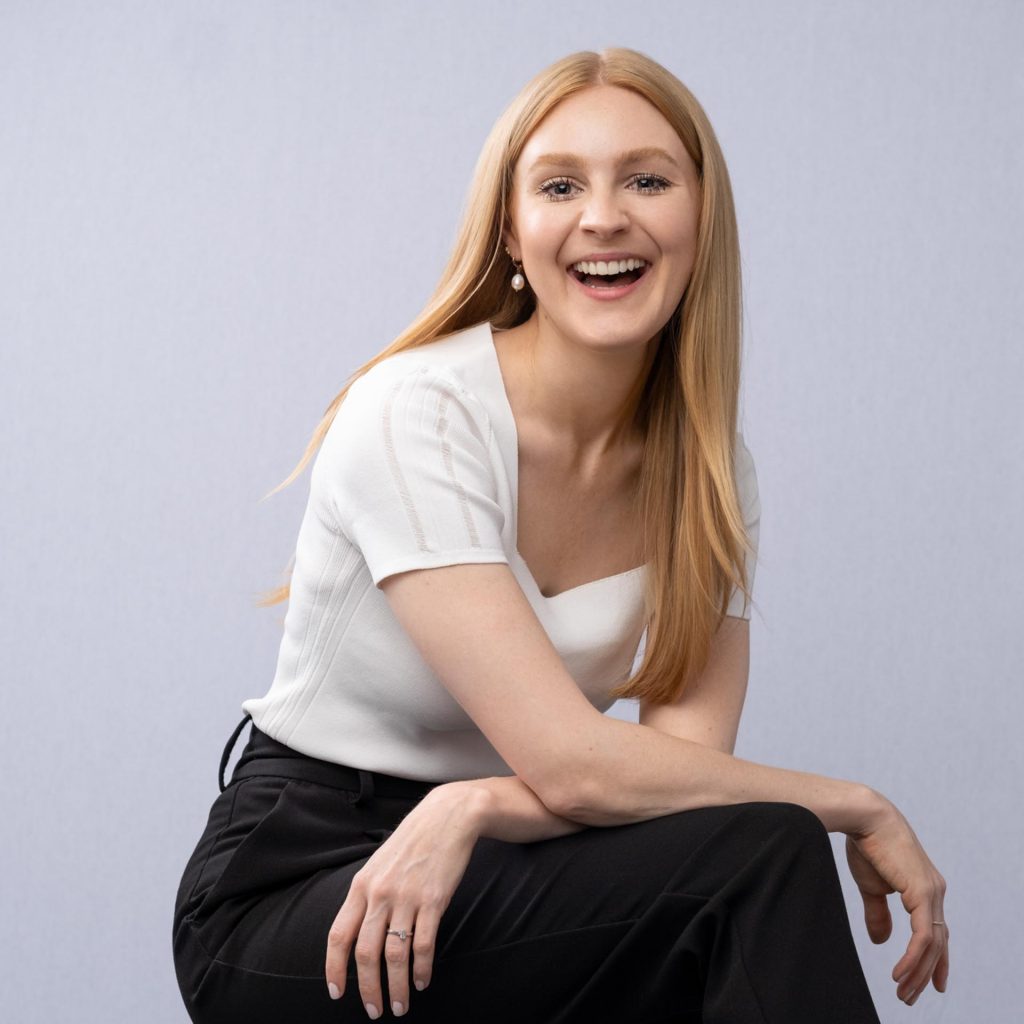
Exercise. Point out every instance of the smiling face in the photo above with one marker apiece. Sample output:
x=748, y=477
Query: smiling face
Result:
x=604, y=174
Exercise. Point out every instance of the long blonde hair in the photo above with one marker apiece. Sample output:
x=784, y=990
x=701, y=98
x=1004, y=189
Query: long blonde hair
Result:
x=694, y=537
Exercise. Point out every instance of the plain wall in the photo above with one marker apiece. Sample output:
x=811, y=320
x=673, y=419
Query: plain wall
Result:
x=211, y=213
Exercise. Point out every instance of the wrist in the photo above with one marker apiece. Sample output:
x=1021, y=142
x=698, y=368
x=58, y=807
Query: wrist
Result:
x=469, y=800
x=871, y=809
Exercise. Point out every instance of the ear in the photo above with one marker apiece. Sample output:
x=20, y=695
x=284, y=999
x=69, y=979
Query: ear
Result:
x=509, y=241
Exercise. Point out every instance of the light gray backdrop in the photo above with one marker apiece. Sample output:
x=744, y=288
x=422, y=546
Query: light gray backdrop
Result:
x=210, y=213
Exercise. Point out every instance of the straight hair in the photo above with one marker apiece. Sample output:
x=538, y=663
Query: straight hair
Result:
x=692, y=531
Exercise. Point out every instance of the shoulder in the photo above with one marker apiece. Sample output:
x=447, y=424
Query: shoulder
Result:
x=413, y=395
x=746, y=478
x=405, y=417
x=743, y=460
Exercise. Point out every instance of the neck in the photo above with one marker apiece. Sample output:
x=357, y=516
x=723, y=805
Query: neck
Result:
x=579, y=395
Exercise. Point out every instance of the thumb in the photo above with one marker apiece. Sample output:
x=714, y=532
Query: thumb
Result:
x=877, y=917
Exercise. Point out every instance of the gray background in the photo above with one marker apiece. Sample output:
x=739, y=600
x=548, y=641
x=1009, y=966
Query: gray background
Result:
x=210, y=213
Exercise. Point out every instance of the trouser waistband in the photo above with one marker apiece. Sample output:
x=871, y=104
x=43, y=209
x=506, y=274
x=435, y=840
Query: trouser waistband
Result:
x=263, y=755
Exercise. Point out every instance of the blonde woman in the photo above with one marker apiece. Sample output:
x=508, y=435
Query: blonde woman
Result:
x=431, y=814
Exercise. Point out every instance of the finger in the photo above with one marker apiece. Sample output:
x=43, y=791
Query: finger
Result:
x=397, y=956
x=918, y=979
x=340, y=938
x=424, y=942
x=927, y=942
x=877, y=917
x=941, y=975
x=368, y=950
x=920, y=944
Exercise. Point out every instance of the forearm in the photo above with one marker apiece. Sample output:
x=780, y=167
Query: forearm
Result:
x=504, y=807
x=637, y=772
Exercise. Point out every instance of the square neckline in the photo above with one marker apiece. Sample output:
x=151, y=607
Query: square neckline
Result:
x=513, y=431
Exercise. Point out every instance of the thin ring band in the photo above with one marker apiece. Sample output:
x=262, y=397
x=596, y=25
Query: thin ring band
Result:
x=403, y=934
x=938, y=922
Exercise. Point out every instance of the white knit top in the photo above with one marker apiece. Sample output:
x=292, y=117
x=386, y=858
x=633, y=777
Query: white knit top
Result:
x=418, y=469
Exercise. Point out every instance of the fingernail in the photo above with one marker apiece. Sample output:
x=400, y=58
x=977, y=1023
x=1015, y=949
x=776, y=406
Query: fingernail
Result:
x=372, y=1011
x=397, y=1009
x=333, y=989
x=420, y=984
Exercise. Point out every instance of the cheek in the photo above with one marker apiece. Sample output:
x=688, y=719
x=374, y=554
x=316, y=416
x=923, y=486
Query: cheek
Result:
x=540, y=233
x=678, y=230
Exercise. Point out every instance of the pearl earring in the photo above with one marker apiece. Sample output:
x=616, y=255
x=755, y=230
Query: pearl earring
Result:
x=517, y=279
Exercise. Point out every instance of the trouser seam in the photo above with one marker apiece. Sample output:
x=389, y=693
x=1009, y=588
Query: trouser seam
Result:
x=218, y=962
x=537, y=938
x=215, y=960
x=743, y=964
x=213, y=844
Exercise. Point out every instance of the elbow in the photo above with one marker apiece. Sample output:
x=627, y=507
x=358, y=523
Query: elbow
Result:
x=573, y=806
x=572, y=798
x=577, y=791
x=570, y=783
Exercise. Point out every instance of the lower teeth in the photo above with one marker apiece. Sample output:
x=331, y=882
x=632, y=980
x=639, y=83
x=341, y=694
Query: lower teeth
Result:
x=609, y=281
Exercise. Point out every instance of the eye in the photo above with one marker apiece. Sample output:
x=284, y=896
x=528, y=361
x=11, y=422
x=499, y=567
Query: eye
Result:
x=655, y=183
x=555, y=183
x=660, y=183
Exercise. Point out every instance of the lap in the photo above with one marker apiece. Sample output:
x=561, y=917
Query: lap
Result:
x=278, y=855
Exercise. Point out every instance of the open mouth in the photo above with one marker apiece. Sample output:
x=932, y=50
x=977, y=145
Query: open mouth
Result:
x=609, y=280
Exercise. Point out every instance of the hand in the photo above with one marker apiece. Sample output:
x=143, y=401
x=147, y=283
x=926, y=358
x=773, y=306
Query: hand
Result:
x=886, y=856
x=406, y=884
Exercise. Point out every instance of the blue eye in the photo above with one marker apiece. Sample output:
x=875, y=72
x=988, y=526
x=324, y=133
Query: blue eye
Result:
x=659, y=183
x=543, y=190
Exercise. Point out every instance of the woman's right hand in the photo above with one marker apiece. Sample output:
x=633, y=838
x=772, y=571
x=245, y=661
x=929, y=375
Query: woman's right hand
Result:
x=886, y=856
x=406, y=884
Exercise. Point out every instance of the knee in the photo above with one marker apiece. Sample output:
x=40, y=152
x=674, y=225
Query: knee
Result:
x=774, y=817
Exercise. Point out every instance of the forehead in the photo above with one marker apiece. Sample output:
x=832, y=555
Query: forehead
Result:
x=599, y=124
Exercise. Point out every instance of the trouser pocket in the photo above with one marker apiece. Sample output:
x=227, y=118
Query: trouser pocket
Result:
x=235, y=818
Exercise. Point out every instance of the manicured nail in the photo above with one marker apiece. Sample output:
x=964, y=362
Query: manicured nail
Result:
x=333, y=989
x=420, y=984
x=397, y=1008
x=372, y=1011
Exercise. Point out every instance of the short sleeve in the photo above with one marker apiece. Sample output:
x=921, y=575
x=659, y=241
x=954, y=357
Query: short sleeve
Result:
x=409, y=473
x=750, y=505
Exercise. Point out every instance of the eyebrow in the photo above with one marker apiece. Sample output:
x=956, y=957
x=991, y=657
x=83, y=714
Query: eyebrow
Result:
x=632, y=156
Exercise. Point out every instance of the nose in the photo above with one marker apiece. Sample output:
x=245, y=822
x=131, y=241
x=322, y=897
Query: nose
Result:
x=604, y=211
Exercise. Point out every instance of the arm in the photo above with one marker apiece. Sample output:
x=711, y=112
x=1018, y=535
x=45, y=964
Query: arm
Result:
x=706, y=718
x=478, y=632
x=504, y=807
x=709, y=713
x=640, y=773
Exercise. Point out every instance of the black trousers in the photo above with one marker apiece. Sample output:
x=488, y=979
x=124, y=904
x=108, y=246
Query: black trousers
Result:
x=726, y=915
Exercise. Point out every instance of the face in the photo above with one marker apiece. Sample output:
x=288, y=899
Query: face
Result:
x=579, y=194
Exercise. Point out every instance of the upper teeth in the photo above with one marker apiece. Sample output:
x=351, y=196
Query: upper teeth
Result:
x=612, y=267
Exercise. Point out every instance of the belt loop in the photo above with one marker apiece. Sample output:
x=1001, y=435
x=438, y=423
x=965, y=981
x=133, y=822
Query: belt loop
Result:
x=365, y=786
x=225, y=757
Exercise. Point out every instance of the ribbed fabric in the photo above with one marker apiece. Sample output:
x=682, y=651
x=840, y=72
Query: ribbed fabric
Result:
x=420, y=469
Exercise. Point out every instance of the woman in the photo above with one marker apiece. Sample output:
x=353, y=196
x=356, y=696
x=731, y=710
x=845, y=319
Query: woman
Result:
x=431, y=814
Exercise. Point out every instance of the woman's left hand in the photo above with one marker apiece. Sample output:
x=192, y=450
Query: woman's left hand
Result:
x=887, y=857
x=406, y=884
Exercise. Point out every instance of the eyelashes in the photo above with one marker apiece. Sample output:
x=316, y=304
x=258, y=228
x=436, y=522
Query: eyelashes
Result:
x=661, y=185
